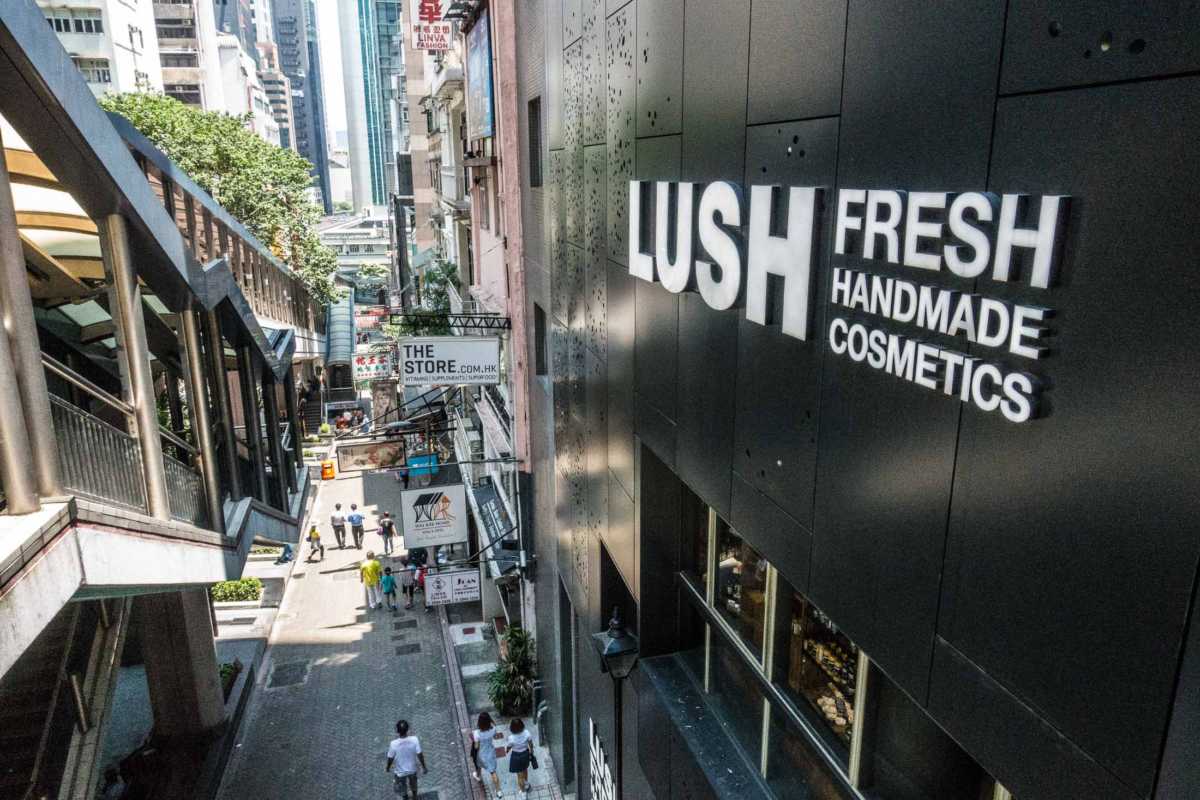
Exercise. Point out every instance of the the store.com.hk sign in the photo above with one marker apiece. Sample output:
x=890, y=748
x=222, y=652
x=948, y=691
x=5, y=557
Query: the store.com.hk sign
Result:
x=706, y=242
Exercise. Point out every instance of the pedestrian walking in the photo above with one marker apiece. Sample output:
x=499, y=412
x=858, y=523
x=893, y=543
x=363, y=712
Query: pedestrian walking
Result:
x=387, y=529
x=337, y=521
x=408, y=583
x=314, y=544
x=388, y=585
x=520, y=754
x=483, y=751
x=402, y=757
x=356, y=525
x=371, y=573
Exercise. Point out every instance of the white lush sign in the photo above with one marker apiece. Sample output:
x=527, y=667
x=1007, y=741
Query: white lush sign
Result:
x=459, y=586
x=603, y=787
x=729, y=256
x=441, y=360
x=433, y=516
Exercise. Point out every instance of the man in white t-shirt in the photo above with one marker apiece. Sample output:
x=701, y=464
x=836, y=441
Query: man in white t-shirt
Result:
x=402, y=757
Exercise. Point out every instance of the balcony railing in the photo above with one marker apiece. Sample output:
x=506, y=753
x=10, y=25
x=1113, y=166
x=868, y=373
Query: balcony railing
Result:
x=97, y=460
x=185, y=488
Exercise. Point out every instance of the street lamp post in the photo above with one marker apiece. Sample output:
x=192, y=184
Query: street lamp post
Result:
x=618, y=654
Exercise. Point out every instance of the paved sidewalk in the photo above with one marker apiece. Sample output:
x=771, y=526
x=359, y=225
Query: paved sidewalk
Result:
x=338, y=676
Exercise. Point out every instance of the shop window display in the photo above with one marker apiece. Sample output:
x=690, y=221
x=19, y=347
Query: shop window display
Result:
x=817, y=664
x=741, y=591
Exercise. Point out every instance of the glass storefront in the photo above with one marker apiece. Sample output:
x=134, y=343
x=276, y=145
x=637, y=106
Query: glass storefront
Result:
x=763, y=648
x=817, y=665
x=794, y=769
x=741, y=590
x=737, y=695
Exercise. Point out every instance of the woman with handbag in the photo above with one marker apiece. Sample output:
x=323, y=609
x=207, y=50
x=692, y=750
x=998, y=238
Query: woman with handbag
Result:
x=520, y=754
x=483, y=751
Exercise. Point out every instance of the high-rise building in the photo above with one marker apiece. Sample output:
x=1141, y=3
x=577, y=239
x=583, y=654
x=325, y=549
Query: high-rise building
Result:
x=187, y=46
x=244, y=92
x=300, y=60
x=279, y=92
x=113, y=43
x=373, y=68
x=237, y=17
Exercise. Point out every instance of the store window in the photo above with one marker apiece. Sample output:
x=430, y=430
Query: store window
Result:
x=741, y=590
x=794, y=769
x=817, y=665
x=737, y=695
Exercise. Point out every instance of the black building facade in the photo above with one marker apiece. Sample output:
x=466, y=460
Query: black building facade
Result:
x=846, y=580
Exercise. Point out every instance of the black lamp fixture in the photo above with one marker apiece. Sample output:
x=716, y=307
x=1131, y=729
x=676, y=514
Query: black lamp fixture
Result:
x=618, y=648
x=618, y=654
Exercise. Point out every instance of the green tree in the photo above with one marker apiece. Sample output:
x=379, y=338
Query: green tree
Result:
x=429, y=318
x=262, y=185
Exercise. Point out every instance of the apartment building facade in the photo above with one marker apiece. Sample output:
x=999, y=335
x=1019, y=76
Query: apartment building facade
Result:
x=113, y=43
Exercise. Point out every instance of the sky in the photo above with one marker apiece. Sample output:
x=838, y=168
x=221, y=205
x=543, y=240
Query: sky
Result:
x=331, y=68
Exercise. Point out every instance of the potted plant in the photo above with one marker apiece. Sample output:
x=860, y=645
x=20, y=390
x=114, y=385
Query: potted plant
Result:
x=510, y=685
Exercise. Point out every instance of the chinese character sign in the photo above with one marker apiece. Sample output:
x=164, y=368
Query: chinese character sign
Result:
x=429, y=30
x=371, y=366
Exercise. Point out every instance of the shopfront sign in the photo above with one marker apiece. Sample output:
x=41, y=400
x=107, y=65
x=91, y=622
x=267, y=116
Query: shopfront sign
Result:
x=457, y=586
x=603, y=787
x=704, y=240
x=429, y=30
x=442, y=360
x=434, y=516
x=372, y=366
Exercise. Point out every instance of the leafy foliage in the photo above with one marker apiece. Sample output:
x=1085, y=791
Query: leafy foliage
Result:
x=239, y=590
x=260, y=184
x=435, y=304
x=510, y=685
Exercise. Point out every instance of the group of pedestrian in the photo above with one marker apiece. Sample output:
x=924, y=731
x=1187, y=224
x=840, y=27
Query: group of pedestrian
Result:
x=381, y=583
x=338, y=520
x=404, y=755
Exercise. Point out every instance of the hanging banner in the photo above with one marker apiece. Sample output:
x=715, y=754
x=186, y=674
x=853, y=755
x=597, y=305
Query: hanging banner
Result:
x=371, y=366
x=441, y=360
x=370, y=455
x=459, y=586
x=480, y=115
x=429, y=31
x=434, y=516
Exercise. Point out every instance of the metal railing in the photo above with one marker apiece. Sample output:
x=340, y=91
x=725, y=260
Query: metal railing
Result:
x=97, y=460
x=185, y=490
x=499, y=406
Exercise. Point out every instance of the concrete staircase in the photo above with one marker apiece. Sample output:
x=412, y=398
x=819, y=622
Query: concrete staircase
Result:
x=29, y=694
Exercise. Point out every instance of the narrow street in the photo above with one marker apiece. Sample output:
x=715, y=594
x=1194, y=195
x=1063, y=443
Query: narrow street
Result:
x=338, y=676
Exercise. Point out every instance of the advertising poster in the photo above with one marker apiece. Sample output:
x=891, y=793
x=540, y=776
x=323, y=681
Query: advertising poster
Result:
x=429, y=31
x=370, y=455
x=480, y=121
x=441, y=360
x=434, y=516
x=459, y=586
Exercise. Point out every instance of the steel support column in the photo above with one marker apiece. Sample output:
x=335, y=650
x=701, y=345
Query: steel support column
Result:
x=275, y=439
x=289, y=392
x=250, y=411
x=198, y=400
x=125, y=304
x=216, y=364
x=26, y=351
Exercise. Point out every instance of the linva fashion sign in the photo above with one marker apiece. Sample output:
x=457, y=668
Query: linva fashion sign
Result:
x=706, y=242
